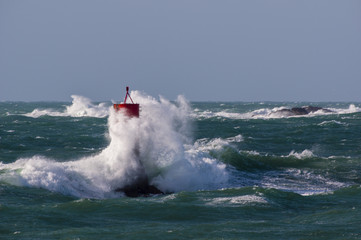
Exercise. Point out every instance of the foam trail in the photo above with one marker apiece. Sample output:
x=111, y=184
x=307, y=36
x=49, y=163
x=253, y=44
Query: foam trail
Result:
x=162, y=135
x=80, y=107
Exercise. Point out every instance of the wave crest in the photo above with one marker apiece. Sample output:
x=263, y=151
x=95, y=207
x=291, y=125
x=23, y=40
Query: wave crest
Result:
x=80, y=107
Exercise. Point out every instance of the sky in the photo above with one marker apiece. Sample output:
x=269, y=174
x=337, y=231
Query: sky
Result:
x=206, y=50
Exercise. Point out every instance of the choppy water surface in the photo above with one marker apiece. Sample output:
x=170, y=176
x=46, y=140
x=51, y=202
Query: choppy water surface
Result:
x=232, y=170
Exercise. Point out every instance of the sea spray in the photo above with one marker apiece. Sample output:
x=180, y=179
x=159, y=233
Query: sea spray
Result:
x=83, y=107
x=163, y=135
x=80, y=107
x=159, y=142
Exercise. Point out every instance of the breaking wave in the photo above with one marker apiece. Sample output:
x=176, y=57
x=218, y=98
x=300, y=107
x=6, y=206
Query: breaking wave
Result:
x=304, y=154
x=80, y=107
x=162, y=135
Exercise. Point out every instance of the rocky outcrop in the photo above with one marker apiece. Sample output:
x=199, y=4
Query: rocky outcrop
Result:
x=140, y=189
x=303, y=110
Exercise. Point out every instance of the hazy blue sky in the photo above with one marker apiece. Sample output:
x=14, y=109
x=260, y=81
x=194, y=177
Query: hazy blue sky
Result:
x=252, y=50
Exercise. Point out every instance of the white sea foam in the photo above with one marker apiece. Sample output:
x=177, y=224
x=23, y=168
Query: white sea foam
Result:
x=351, y=109
x=80, y=107
x=255, y=153
x=332, y=122
x=236, y=200
x=162, y=135
x=237, y=138
x=304, y=154
x=206, y=145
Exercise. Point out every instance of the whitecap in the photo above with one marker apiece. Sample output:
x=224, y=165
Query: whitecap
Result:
x=80, y=107
x=236, y=200
x=304, y=154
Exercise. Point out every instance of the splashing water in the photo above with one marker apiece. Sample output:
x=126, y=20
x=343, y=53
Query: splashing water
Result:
x=81, y=107
x=161, y=136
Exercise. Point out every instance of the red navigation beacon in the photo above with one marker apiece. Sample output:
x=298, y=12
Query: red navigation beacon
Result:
x=130, y=109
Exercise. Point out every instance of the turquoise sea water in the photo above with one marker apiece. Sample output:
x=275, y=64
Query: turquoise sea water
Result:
x=231, y=170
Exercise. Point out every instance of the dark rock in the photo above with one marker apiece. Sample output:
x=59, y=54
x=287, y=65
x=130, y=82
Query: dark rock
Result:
x=139, y=189
x=303, y=110
x=311, y=109
x=299, y=111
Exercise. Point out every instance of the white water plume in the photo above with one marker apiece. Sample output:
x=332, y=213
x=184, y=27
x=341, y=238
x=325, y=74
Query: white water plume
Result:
x=158, y=143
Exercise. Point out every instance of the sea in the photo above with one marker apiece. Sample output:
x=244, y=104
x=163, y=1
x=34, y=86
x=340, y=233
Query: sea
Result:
x=229, y=170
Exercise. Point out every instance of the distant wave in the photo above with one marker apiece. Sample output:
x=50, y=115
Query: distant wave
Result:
x=80, y=107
